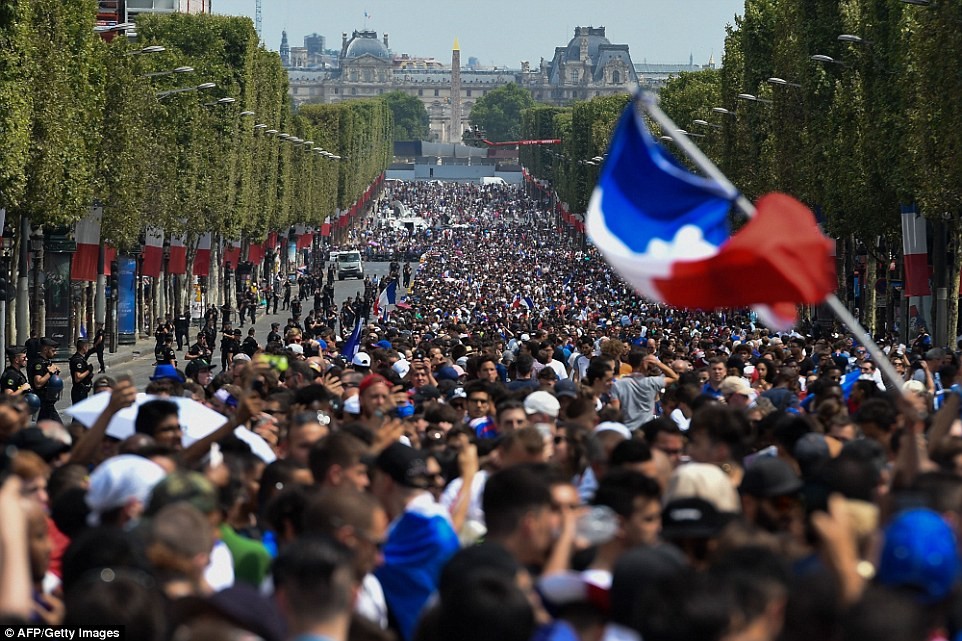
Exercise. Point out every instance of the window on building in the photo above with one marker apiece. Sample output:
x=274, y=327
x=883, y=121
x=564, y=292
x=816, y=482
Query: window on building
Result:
x=469, y=93
x=616, y=77
x=436, y=93
x=353, y=91
x=420, y=92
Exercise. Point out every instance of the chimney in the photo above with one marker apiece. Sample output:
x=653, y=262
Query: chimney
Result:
x=386, y=46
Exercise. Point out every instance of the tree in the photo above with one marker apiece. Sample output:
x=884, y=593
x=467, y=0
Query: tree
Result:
x=498, y=113
x=411, y=121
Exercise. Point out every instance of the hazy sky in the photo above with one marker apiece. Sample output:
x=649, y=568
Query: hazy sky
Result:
x=504, y=32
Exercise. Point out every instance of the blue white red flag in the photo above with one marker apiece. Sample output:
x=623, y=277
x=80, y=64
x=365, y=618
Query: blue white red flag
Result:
x=666, y=231
x=387, y=298
x=353, y=344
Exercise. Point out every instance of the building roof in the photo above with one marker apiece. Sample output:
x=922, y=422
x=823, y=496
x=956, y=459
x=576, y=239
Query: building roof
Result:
x=596, y=38
x=365, y=43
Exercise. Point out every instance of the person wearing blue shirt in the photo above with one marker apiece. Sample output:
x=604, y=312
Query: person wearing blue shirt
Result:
x=420, y=538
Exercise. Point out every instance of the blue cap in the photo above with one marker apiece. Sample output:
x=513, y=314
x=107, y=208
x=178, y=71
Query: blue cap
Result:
x=447, y=373
x=920, y=553
x=167, y=371
x=322, y=344
x=385, y=344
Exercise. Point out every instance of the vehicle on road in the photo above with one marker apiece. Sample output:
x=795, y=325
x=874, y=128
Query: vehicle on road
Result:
x=348, y=264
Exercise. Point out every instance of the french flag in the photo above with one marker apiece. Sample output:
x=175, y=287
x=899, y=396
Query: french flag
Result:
x=915, y=248
x=178, y=255
x=387, y=298
x=522, y=301
x=665, y=230
x=87, y=235
x=153, y=251
x=202, y=257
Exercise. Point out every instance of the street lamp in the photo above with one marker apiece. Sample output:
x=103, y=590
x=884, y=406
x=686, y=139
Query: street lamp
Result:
x=722, y=111
x=271, y=132
x=781, y=82
x=752, y=98
x=170, y=92
x=221, y=102
x=827, y=59
x=168, y=73
x=705, y=123
x=120, y=26
x=853, y=39
x=244, y=114
x=146, y=50
x=6, y=246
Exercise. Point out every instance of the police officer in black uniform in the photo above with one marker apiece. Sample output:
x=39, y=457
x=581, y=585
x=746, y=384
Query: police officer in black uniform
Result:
x=167, y=353
x=42, y=371
x=14, y=380
x=81, y=372
x=182, y=329
x=229, y=346
x=100, y=340
x=274, y=336
x=200, y=349
x=250, y=346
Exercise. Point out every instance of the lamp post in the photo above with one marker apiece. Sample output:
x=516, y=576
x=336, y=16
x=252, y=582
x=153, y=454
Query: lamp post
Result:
x=36, y=246
x=227, y=299
x=6, y=246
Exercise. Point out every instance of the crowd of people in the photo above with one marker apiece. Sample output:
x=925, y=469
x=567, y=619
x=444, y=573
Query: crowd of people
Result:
x=516, y=448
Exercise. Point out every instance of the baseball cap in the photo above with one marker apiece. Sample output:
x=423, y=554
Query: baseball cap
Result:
x=405, y=465
x=427, y=393
x=190, y=487
x=401, y=368
x=48, y=342
x=119, y=480
x=735, y=385
x=693, y=518
x=240, y=604
x=920, y=553
x=447, y=373
x=384, y=343
x=613, y=426
x=703, y=481
x=542, y=402
x=361, y=359
x=296, y=348
x=104, y=381
x=768, y=477
x=34, y=440
x=566, y=388
x=241, y=358
x=14, y=350
x=166, y=371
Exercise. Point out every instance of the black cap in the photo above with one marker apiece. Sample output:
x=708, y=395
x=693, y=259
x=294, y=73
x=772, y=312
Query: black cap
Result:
x=693, y=519
x=427, y=393
x=404, y=464
x=237, y=332
x=48, y=342
x=16, y=350
x=768, y=477
x=34, y=440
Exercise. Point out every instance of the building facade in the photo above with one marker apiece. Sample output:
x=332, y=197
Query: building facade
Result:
x=587, y=67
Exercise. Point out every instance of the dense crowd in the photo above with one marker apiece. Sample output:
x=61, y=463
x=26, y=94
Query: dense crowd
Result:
x=518, y=447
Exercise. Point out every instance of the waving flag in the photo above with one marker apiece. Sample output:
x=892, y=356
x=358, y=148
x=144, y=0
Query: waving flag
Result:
x=665, y=230
x=387, y=298
x=353, y=343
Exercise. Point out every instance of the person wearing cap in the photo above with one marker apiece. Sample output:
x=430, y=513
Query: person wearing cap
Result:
x=361, y=362
x=119, y=488
x=81, y=372
x=42, y=372
x=736, y=392
x=770, y=497
x=98, y=345
x=420, y=539
x=229, y=346
x=13, y=380
x=274, y=336
x=200, y=349
x=200, y=371
x=166, y=353
x=250, y=346
x=637, y=392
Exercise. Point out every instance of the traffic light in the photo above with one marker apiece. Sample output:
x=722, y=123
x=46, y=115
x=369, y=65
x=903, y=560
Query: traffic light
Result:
x=3, y=288
x=113, y=277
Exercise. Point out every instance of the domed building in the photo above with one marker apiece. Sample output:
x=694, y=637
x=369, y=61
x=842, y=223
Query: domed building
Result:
x=366, y=59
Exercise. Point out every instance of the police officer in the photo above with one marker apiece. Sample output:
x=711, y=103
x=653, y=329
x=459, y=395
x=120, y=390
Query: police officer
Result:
x=199, y=350
x=13, y=380
x=229, y=346
x=45, y=380
x=182, y=329
x=167, y=353
x=100, y=339
x=81, y=372
x=199, y=371
x=250, y=346
x=274, y=336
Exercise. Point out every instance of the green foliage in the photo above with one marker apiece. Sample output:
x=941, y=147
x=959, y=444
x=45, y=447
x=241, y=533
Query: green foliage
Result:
x=498, y=112
x=411, y=120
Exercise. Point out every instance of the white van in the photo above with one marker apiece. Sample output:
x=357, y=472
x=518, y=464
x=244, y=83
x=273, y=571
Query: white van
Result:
x=349, y=264
x=493, y=180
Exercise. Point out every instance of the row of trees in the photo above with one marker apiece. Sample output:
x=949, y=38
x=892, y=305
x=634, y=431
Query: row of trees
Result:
x=873, y=123
x=83, y=121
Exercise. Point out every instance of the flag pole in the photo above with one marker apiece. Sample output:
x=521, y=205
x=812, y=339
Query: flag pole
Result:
x=648, y=102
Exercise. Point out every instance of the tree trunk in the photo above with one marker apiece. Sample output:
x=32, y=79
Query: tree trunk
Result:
x=871, y=277
x=955, y=271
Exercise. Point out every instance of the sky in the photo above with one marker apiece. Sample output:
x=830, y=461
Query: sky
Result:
x=504, y=32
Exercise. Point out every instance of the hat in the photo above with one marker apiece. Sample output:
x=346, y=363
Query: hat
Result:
x=241, y=358
x=352, y=405
x=15, y=350
x=525, y=338
x=48, y=342
x=240, y=604
x=613, y=426
x=541, y=402
x=189, y=487
x=447, y=373
x=457, y=392
x=403, y=464
x=104, y=381
x=693, y=518
x=237, y=332
x=275, y=325
x=703, y=481
x=201, y=364
x=913, y=386
x=769, y=477
x=361, y=360
x=369, y=380
x=735, y=385
x=34, y=440
x=920, y=553
x=565, y=588
x=401, y=368
x=119, y=480
x=166, y=371
x=426, y=393
x=566, y=387
x=459, y=370
x=296, y=348
x=383, y=343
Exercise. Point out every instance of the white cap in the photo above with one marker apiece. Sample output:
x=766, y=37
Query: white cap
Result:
x=361, y=360
x=613, y=426
x=296, y=348
x=352, y=405
x=402, y=368
x=525, y=338
x=119, y=480
x=542, y=402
